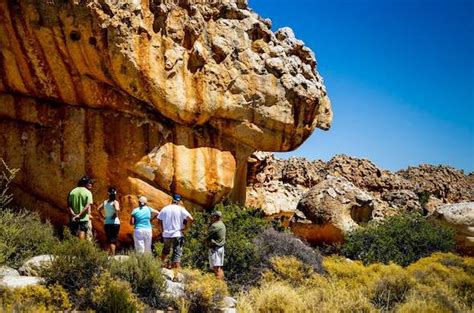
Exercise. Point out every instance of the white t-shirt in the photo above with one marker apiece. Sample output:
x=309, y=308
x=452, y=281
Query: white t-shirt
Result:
x=173, y=217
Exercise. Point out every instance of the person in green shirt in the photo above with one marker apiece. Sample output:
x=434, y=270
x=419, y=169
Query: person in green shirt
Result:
x=79, y=207
x=216, y=241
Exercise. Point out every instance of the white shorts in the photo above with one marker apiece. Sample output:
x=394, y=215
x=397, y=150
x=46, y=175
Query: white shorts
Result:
x=142, y=240
x=216, y=257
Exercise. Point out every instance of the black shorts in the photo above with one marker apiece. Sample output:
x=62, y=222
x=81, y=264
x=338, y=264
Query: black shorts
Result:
x=76, y=227
x=112, y=231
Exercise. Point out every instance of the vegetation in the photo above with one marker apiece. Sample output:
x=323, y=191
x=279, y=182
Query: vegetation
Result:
x=273, y=270
x=144, y=274
x=110, y=295
x=76, y=265
x=23, y=236
x=6, y=177
x=203, y=292
x=402, y=239
x=243, y=226
x=442, y=282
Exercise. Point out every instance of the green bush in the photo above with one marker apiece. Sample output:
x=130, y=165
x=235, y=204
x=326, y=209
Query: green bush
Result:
x=243, y=225
x=144, y=274
x=402, y=239
x=75, y=266
x=111, y=295
x=23, y=236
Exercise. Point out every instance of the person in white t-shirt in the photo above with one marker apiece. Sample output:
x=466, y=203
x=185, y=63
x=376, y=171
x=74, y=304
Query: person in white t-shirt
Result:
x=175, y=222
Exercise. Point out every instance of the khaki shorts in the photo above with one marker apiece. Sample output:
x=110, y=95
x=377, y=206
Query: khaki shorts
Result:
x=216, y=257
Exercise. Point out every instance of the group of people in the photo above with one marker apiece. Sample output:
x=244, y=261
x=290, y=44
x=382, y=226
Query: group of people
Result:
x=173, y=219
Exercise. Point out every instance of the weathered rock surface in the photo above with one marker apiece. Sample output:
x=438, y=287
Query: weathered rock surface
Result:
x=460, y=217
x=32, y=266
x=12, y=282
x=443, y=182
x=277, y=186
x=336, y=204
x=8, y=271
x=154, y=97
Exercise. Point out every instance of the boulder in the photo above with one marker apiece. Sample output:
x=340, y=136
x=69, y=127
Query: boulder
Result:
x=151, y=97
x=32, y=266
x=8, y=271
x=335, y=207
x=19, y=281
x=460, y=217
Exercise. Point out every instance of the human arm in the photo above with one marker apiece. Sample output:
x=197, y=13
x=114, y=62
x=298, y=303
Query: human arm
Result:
x=189, y=221
x=100, y=210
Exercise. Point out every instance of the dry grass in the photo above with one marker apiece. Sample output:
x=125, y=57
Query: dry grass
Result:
x=442, y=282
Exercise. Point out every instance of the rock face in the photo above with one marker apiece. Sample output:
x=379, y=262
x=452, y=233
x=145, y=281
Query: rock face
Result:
x=337, y=206
x=154, y=97
x=460, y=217
x=281, y=186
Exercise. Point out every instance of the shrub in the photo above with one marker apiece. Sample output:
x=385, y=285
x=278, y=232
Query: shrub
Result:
x=111, y=295
x=391, y=289
x=23, y=236
x=76, y=265
x=203, y=292
x=271, y=243
x=243, y=225
x=144, y=275
x=401, y=239
x=33, y=298
x=289, y=269
x=6, y=177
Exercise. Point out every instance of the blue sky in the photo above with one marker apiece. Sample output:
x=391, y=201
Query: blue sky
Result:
x=400, y=75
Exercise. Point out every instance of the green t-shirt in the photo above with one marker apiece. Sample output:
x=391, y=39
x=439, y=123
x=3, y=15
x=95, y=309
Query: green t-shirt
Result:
x=78, y=198
x=216, y=234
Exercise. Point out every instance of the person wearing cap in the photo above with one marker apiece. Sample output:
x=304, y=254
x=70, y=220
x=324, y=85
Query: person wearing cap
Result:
x=216, y=241
x=175, y=222
x=111, y=220
x=79, y=206
x=141, y=220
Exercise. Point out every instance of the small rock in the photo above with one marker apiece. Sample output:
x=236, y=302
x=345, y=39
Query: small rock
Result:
x=19, y=281
x=119, y=258
x=174, y=289
x=8, y=271
x=32, y=266
x=229, y=302
x=172, y=275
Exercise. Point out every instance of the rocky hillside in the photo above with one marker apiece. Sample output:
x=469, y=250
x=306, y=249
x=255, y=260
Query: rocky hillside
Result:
x=325, y=200
x=154, y=97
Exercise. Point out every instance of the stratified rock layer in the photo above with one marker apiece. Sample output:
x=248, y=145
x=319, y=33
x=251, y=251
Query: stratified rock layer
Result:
x=153, y=97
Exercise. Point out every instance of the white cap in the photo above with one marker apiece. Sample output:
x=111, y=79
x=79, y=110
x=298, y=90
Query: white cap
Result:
x=143, y=200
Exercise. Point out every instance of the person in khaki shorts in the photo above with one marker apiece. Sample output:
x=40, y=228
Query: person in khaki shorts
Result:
x=216, y=241
x=175, y=222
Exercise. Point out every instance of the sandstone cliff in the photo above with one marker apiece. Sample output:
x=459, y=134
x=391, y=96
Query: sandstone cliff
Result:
x=153, y=97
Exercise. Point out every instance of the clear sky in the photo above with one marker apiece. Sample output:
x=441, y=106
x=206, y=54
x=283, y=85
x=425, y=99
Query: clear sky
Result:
x=400, y=75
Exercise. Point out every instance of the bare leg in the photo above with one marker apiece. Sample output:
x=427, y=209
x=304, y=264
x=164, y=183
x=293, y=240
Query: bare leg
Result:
x=177, y=265
x=112, y=249
x=164, y=262
x=82, y=235
x=219, y=272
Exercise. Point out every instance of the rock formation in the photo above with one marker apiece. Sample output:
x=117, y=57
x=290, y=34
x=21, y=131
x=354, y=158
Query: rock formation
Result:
x=460, y=217
x=153, y=97
x=336, y=207
x=305, y=192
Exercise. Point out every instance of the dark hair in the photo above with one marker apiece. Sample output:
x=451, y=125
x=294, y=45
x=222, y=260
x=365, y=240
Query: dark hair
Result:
x=112, y=191
x=84, y=181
